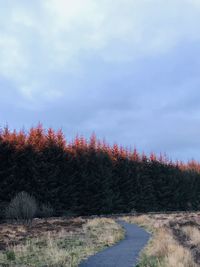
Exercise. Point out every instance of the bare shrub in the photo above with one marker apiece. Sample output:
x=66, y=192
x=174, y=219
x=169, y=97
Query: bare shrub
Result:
x=45, y=211
x=22, y=208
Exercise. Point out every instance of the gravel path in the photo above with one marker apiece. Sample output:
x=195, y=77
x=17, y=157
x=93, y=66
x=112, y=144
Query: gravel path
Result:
x=124, y=253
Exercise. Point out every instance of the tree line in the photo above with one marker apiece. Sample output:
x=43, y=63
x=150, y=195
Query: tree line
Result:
x=86, y=177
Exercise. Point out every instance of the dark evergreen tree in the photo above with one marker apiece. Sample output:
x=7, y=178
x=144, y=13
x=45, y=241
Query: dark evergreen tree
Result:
x=84, y=177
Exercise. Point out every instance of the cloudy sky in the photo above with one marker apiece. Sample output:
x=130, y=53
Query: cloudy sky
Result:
x=128, y=70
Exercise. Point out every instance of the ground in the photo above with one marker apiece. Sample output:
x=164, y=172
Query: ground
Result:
x=175, y=241
x=56, y=242
x=59, y=242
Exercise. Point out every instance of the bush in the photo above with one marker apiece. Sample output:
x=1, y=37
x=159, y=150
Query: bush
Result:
x=45, y=211
x=22, y=208
x=69, y=213
x=10, y=255
x=3, y=206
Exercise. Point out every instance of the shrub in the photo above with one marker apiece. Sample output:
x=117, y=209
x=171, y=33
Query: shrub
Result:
x=45, y=211
x=133, y=211
x=2, y=210
x=68, y=213
x=10, y=255
x=22, y=208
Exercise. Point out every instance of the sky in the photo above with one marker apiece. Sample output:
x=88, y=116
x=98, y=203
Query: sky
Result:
x=127, y=70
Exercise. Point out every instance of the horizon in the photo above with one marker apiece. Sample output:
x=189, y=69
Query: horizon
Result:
x=127, y=71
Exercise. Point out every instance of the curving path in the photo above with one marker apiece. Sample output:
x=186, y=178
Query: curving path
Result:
x=124, y=253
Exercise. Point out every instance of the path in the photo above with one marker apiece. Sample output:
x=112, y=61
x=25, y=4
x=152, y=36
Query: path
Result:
x=123, y=254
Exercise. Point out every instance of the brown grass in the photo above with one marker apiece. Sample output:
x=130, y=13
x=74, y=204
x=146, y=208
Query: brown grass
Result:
x=168, y=251
x=193, y=234
x=164, y=250
x=11, y=234
x=57, y=243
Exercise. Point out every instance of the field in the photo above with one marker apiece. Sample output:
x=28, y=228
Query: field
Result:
x=55, y=242
x=175, y=239
x=59, y=242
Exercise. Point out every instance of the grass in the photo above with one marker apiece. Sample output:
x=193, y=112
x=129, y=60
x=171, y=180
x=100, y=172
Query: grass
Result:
x=163, y=250
x=193, y=233
x=60, y=242
x=63, y=248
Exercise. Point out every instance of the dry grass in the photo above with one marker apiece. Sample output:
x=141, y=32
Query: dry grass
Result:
x=59, y=243
x=64, y=247
x=16, y=233
x=168, y=252
x=163, y=249
x=193, y=233
x=107, y=230
x=142, y=220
